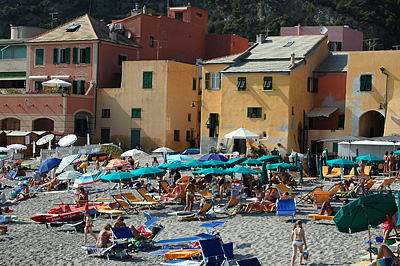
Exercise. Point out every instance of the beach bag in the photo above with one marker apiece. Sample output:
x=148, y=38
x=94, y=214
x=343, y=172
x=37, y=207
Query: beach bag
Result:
x=305, y=255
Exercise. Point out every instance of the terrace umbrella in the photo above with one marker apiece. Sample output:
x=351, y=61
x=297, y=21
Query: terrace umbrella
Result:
x=214, y=163
x=207, y=171
x=66, y=161
x=236, y=161
x=17, y=147
x=48, y=165
x=269, y=158
x=365, y=212
x=264, y=175
x=252, y=162
x=179, y=158
x=242, y=133
x=56, y=83
x=194, y=164
x=116, y=163
x=369, y=159
x=213, y=156
x=172, y=166
x=242, y=170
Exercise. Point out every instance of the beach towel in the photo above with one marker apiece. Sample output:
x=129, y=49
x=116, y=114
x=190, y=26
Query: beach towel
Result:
x=384, y=262
x=214, y=186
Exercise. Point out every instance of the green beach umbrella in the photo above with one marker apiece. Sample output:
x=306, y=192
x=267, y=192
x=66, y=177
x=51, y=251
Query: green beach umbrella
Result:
x=264, y=175
x=236, y=161
x=269, y=158
x=321, y=175
x=242, y=170
x=252, y=162
x=194, y=164
x=296, y=158
x=341, y=163
x=173, y=166
x=118, y=177
x=369, y=159
x=214, y=163
x=277, y=166
x=216, y=171
x=147, y=172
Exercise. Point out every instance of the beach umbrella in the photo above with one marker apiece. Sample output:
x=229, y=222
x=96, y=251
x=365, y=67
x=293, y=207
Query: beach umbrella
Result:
x=118, y=177
x=296, y=158
x=133, y=152
x=236, y=161
x=194, y=164
x=252, y=162
x=4, y=157
x=285, y=166
x=45, y=139
x=56, y=83
x=148, y=172
x=321, y=175
x=370, y=159
x=4, y=149
x=308, y=157
x=179, y=158
x=172, y=166
x=216, y=171
x=163, y=150
x=269, y=158
x=111, y=149
x=67, y=140
x=69, y=175
x=264, y=174
x=116, y=163
x=365, y=212
x=66, y=161
x=213, y=156
x=214, y=163
x=242, y=133
x=90, y=177
x=17, y=147
x=242, y=170
x=341, y=163
x=48, y=165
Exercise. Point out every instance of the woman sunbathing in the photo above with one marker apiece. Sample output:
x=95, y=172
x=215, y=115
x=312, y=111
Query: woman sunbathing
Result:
x=385, y=252
x=24, y=194
x=144, y=235
x=326, y=207
x=260, y=196
x=104, y=238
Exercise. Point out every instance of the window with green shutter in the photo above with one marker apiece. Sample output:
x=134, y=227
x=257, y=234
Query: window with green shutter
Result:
x=194, y=84
x=38, y=85
x=136, y=113
x=241, y=85
x=79, y=87
x=254, y=112
x=39, y=57
x=366, y=83
x=335, y=147
x=189, y=117
x=87, y=55
x=341, y=122
x=55, y=56
x=179, y=16
x=207, y=81
x=267, y=85
x=147, y=80
x=75, y=56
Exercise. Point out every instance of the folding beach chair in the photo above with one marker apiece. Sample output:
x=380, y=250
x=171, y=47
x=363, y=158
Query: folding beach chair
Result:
x=286, y=207
x=134, y=201
x=146, y=195
x=233, y=201
x=123, y=205
x=108, y=210
x=213, y=252
x=320, y=197
x=309, y=196
x=204, y=194
x=164, y=186
x=248, y=262
x=189, y=215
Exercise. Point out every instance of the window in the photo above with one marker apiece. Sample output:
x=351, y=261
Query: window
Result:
x=267, y=85
x=341, y=122
x=254, y=112
x=366, y=83
x=151, y=41
x=188, y=136
x=105, y=113
x=177, y=135
x=194, y=84
x=81, y=55
x=215, y=81
x=38, y=85
x=136, y=113
x=179, y=16
x=189, y=117
x=288, y=44
x=147, y=80
x=81, y=127
x=122, y=58
x=335, y=46
x=79, y=87
x=73, y=27
x=241, y=85
x=312, y=84
x=61, y=56
x=199, y=15
x=39, y=57
x=105, y=135
x=207, y=81
x=213, y=125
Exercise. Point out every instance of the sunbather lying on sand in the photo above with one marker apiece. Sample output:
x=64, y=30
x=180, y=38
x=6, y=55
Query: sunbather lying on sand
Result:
x=24, y=195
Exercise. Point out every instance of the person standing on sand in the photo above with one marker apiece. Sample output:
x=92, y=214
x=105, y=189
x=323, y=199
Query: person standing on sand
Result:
x=298, y=240
x=89, y=226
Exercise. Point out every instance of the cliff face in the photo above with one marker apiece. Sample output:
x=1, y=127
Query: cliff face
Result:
x=376, y=18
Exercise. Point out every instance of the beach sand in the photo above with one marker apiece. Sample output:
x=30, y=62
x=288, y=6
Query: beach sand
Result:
x=260, y=235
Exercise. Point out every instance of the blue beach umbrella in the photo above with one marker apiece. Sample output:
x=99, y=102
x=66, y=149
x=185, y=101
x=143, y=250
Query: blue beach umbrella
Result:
x=90, y=177
x=48, y=165
x=178, y=158
x=213, y=156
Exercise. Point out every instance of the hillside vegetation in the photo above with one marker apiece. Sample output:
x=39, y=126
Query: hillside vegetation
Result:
x=376, y=18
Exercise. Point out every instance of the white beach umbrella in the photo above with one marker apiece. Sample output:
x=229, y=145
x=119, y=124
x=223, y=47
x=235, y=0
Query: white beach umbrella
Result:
x=163, y=150
x=17, y=147
x=56, y=83
x=66, y=161
x=242, y=133
x=4, y=149
x=133, y=152
x=45, y=139
x=67, y=140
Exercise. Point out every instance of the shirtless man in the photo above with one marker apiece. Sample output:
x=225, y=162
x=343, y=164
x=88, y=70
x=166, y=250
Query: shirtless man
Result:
x=104, y=238
x=82, y=196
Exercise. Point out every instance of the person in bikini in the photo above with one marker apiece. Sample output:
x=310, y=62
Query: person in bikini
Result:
x=104, y=238
x=298, y=240
x=385, y=252
x=120, y=222
x=328, y=209
x=190, y=191
x=89, y=226
x=260, y=197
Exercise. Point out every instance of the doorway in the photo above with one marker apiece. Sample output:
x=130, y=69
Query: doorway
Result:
x=372, y=124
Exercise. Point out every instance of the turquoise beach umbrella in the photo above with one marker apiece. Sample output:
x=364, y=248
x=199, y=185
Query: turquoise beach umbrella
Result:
x=117, y=177
x=207, y=171
x=369, y=159
x=236, y=161
x=214, y=163
x=269, y=158
x=173, y=166
x=264, y=175
x=252, y=162
x=321, y=175
x=242, y=170
x=194, y=164
x=341, y=163
x=148, y=172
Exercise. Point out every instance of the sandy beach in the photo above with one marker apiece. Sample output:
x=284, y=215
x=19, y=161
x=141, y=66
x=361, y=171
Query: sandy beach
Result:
x=260, y=235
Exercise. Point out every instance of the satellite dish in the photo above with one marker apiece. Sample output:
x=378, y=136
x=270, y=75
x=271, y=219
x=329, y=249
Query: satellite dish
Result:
x=45, y=139
x=323, y=30
x=128, y=34
x=67, y=140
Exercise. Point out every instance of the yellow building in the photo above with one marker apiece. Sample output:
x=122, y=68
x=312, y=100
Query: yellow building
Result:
x=152, y=108
x=267, y=90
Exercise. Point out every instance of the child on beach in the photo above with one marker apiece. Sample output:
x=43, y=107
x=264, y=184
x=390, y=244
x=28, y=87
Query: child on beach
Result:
x=298, y=239
x=89, y=226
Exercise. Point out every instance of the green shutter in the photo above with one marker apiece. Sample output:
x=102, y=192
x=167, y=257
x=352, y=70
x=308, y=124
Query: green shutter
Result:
x=309, y=84
x=74, y=87
x=75, y=55
x=67, y=53
x=335, y=147
x=136, y=113
x=241, y=85
x=259, y=112
x=39, y=57
x=219, y=85
x=267, y=85
x=216, y=125
x=368, y=82
x=194, y=85
x=315, y=85
x=83, y=85
x=341, y=121
x=248, y=112
x=207, y=81
x=147, y=80
x=87, y=55
x=55, y=56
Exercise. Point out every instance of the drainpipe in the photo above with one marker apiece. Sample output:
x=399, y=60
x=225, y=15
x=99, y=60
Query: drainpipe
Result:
x=386, y=92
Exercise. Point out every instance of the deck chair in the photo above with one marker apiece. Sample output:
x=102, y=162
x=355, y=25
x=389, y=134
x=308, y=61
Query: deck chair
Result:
x=145, y=194
x=320, y=197
x=310, y=195
x=204, y=194
x=368, y=186
x=190, y=215
x=334, y=173
x=134, y=201
x=333, y=190
x=317, y=217
x=233, y=201
x=283, y=189
x=123, y=205
x=108, y=210
x=213, y=252
x=180, y=195
x=379, y=185
x=351, y=174
x=387, y=186
x=286, y=207
x=248, y=262
x=164, y=185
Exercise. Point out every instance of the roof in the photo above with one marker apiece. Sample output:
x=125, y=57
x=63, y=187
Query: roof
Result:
x=23, y=133
x=335, y=62
x=261, y=66
x=89, y=29
x=322, y=111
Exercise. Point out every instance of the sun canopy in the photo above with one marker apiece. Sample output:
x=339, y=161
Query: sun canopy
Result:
x=56, y=83
x=242, y=133
x=322, y=111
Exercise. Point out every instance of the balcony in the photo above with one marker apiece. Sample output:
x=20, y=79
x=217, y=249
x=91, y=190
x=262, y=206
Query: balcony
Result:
x=12, y=65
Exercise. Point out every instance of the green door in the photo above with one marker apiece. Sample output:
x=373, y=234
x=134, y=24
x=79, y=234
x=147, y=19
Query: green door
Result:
x=135, y=138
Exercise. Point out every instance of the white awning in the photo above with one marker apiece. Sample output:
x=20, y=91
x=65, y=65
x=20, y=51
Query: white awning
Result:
x=38, y=77
x=178, y=8
x=322, y=111
x=64, y=77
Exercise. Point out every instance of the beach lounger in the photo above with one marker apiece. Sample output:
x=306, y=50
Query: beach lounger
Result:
x=309, y=196
x=248, y=262
x=320, y=197
x=283, y=189
x=368, y=186
x=181, y=195
x=204, y=194
x=351, y=174
x=233, y=201
x=164, y=186
x=146, y=195
x=318, y=217
x=334, y=173
x=134, y=201
x=286, y=207
x=189, y=215
x=123, y=205
x=333, y=190
x=108, y=210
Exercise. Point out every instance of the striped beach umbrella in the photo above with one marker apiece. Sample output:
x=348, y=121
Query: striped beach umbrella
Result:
x=116, y=163
x=90, y=177
x=69, y=175
x=66, y=161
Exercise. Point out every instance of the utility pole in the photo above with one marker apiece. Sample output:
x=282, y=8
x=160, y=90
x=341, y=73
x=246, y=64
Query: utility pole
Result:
x=373, y=43
x=52, y=17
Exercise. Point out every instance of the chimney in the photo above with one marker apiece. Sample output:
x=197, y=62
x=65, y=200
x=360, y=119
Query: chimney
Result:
x=144, y=9
x=136, y=10
x=299, y=29
x=292, y=59
x=112, y=35
x=260, y=38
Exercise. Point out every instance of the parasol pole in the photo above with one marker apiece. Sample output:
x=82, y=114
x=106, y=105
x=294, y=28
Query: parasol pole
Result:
x=369, y=231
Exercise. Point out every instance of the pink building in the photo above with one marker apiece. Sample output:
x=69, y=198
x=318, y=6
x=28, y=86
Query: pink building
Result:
x=340, y=38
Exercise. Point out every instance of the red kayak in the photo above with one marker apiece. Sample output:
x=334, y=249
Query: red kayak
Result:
x=64, y=212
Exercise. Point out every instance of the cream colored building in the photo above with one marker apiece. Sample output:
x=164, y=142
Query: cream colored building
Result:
x=152, y=108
